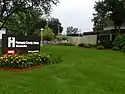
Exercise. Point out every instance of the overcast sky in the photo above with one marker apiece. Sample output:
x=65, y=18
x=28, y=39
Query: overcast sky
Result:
x=77, y=13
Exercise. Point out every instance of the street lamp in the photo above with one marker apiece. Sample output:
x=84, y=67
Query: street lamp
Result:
x=41, y=34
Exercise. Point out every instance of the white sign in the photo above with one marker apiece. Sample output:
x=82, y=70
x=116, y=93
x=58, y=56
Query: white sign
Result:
x=19, y=44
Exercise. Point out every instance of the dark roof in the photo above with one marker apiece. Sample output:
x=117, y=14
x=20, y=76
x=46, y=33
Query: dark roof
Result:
x=90, y=33
x=75, y=35
x=112, y=31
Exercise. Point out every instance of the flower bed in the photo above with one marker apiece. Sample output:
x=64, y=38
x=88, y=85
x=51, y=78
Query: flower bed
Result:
x=27, y=60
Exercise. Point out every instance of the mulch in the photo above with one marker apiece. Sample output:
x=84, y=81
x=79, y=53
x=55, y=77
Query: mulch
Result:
x=22, y=70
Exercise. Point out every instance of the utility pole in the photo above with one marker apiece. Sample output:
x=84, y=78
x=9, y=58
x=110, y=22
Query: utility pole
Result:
x=58, y=29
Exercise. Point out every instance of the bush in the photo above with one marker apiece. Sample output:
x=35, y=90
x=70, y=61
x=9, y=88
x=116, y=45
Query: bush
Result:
x=107, y=44
x=94, y=46
x=27, y=60
x=87, y=46
x=66, y=44
x=116, y=48
x=101, y=47
x=123, y=49
x=119, y=41
x=48, y=34
x=81, y=45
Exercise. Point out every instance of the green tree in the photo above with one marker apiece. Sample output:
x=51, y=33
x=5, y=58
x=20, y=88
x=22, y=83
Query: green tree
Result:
x=25, y=23
x=72, y=30
x=99, y=16
x=116, y=12
x=9, y=7
x=113, y=10
x=55, y=25
x=47, y=34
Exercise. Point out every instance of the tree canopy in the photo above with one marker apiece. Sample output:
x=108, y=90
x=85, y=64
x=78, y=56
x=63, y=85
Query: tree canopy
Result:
x=99, y=16
x=30, y=22
x=71, y=30
x=47, y=34
x=55, y=25
x=113, y=10
x=9, y=7
x=25, y=23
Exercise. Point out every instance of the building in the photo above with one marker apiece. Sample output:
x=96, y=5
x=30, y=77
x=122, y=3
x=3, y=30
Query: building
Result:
x=94, y=37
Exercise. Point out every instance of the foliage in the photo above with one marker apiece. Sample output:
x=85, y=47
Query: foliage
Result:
x=71, y=30
x=87, y=46
x=55, y=25
x=101, y=47
x=107, y=44
x=113, y=10
x=9, y=7
x=81, y=45
x=66, y=44
x=94, y=45
x=116, y=48
x=123, y=49
x=47, y=34
x=29, y=22
x=26, y=22
x=61, y=37
x=119, y=41
x=27, y=60
x=99, y=17
x=117, y=12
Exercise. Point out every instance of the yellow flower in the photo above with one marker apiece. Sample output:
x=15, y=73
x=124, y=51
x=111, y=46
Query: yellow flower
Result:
x=48, y=56
x=1, y=57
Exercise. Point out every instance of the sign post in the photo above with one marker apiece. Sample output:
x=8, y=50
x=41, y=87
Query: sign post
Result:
x=20, y=44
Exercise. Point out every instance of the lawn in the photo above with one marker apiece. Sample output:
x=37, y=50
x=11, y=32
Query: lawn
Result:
x=83, y=71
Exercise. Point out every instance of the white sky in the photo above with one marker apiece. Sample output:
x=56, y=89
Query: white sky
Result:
x=76, y=13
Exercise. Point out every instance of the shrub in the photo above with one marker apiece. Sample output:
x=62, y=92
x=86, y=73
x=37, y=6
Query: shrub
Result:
x=101, y=47
x=94, y=46
x=66, y=44
x=87, y=46
x=27, y=60
x=107, y=44
x=81, y=45
x=116, y=48
x=119, y=41
x=123, y=49
x=47, y=34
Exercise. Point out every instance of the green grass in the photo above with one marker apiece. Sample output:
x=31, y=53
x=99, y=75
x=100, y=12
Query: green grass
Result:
x=83, y=71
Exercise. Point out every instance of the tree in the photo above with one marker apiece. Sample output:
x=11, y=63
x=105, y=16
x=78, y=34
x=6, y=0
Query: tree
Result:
x=55, y=25
x=47, y=34
x=71, y=30
x=100, y=16
x=116, y=12
x=25, y=23
x=9, y=7
x=98, y=22
x=113, y=10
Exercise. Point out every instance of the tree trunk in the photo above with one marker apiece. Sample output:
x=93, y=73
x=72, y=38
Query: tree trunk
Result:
x=115, y=27
x=118, y=31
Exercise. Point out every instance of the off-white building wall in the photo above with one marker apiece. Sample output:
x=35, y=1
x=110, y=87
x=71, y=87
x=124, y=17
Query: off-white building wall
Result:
x=90, y=39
